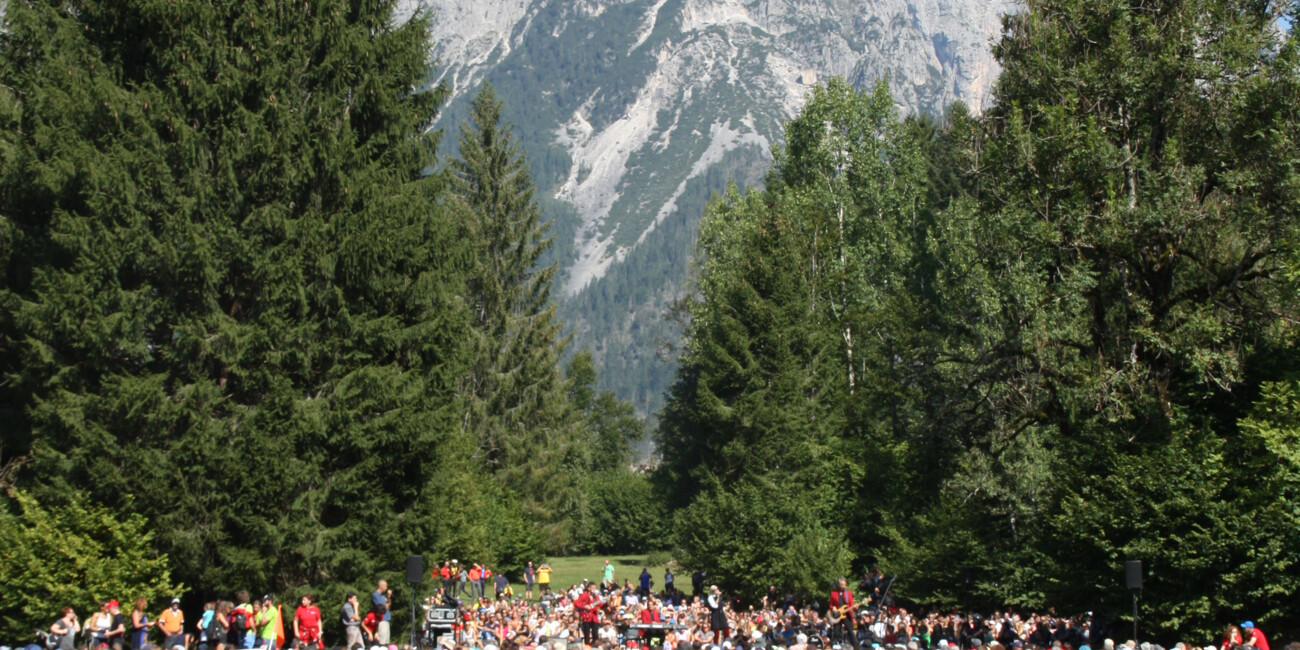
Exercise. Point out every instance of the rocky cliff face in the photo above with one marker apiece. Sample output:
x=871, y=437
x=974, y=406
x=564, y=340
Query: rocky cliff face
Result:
x=632, y=109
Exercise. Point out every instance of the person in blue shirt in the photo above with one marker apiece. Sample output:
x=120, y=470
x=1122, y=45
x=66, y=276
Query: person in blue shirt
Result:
x=645, y=583
x=379, y=604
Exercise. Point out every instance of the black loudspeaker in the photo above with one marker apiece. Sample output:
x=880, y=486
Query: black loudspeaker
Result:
x=415, y=569
x=1133, y=574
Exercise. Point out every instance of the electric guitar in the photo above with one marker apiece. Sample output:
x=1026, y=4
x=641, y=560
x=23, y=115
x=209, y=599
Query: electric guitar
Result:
x=836, y=614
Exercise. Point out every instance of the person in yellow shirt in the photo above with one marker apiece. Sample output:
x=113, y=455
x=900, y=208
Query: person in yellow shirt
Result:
x=172, y=622
x=544, y=579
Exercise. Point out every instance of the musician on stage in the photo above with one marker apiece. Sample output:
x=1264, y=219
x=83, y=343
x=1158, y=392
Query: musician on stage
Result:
x=840, y=612
x=718, y=615
x=588, y=606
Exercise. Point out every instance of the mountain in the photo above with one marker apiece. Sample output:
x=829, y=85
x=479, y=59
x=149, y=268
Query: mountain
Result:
x=633, y=113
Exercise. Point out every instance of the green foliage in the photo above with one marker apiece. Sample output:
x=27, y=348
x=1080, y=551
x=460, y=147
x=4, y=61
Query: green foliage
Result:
x=72, y=554
x=612, y=428
x=227, y=270
x=519, y=412
x=753, y=535
x=624, y=513
x=1025, y=342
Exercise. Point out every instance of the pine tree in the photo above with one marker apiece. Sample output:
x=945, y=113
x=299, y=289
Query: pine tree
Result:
x=519, y=409
x=232, y=293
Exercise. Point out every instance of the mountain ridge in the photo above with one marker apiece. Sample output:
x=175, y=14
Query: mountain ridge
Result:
x=625, y=106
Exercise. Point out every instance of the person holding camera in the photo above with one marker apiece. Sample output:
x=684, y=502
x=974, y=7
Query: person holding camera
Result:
x=63, y=633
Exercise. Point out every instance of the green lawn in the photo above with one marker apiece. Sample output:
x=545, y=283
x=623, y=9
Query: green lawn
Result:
x=567, y=571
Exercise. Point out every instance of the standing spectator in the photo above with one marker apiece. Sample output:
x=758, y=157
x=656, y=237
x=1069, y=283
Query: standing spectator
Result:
x=379, y=601
x=697, y=583
x=209, y=613
x=351, y=622
x=447, y=581
x=140, y=624
x=219, y=628
x=116, y=636
x=172, y=624
x=544, y=579
x=99, y=624
x=265, y=621
x=240, y=616
x=463, y=576
x=1253, y=636
x=306, y=624
x=475, y=586
x=500, y=585
x=66, y=629
x=646, y=581
x=668, y=580
x=530, y=579
x=607, y=581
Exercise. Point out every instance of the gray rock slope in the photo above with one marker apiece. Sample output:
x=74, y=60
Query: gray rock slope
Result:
x=628, y=109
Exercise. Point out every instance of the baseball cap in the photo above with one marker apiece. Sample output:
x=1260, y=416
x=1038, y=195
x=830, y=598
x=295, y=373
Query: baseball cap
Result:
x=113, y=603
x=1248, y=625
x=176, y=601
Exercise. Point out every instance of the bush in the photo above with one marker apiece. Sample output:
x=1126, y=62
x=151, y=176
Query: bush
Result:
x=72, y=554
x=751, y=536
x=623, y=514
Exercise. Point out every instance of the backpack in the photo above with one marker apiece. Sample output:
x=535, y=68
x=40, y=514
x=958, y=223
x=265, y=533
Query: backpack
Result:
x=239, y=621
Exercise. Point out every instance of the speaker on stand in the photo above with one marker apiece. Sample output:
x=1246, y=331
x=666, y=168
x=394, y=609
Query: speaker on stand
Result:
x=1133, y=579
x=414, y=576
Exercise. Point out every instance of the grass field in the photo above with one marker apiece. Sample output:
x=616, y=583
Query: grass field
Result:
x=567, y=571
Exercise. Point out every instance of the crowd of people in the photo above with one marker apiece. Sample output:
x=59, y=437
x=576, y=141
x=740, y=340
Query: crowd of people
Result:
x=605, y=615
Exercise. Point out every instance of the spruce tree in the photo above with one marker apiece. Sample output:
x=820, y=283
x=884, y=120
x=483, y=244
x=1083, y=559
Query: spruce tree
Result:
x=519, y=408
x=233, y=297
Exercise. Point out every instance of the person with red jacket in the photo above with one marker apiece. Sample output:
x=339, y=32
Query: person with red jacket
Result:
x=1254, y=638
x=588, y=606
x=840, y=612
x=649, y=614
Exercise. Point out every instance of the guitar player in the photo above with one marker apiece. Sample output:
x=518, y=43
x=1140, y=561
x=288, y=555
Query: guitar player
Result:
x=840, y=612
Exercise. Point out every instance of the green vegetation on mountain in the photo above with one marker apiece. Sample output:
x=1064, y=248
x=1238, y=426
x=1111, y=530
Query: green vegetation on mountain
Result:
x=1036, y=343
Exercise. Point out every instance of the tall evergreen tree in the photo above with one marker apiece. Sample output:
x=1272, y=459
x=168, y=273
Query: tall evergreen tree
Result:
x=232, y=296
x=519, y=408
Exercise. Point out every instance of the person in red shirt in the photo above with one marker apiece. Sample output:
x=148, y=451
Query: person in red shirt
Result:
x=1254, y=638
x=649, y=614
x=475, y=582
x=446, y=575
x=306, y=624
x=840, y=613
x=369, y=625
x=588, y=606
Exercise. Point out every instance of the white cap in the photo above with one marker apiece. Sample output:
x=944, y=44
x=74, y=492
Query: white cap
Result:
x=801, y=637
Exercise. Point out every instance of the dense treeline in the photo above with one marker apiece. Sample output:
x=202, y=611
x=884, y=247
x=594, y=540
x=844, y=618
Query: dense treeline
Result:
x=1035, y=343
x=255, y=334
